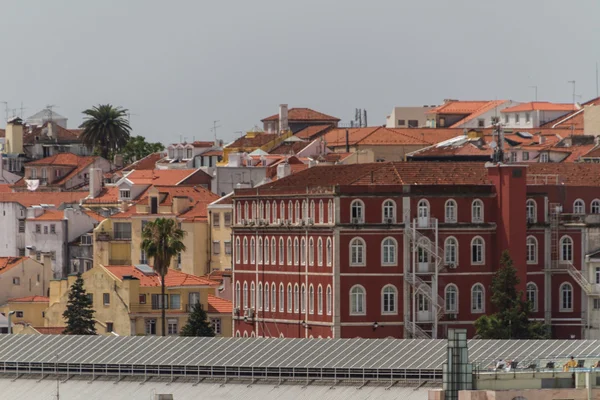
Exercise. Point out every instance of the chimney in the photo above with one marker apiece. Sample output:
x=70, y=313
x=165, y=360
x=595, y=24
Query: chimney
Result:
x=283, y=170
x=541, y=139
x=14, y=136
x=347, y=142
x=95, y=183
x=118, y=161
x=283, y=118
x=50, y=130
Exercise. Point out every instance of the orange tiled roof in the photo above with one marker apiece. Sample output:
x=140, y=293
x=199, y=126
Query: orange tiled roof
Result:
x=30, y=299
x=50, y=215
x=69, y=159
x=5, y=188
x=313, y=131
x=541, y=106
x=459, y=107
x=159, y=177
x=172, y=279
x=28, y=199
x=260, y=139
x=383, y=136
x=94, y=215
x=289, y=147
x=303, y=114
x=213, y=153
x=218, y=305
x=574, y=119
x=148, y=162
x=108, y=194
x=7, y=263
x=482, y=110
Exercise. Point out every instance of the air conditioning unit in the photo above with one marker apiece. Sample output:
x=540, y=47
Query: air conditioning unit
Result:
x=389, y=221
x=451, y=266
x=356, y=220
x=310, y=221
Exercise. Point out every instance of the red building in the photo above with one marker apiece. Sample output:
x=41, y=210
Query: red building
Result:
x=409, y=249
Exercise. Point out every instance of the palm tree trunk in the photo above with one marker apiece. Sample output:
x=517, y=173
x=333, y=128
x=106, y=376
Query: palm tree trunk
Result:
x=164, y=304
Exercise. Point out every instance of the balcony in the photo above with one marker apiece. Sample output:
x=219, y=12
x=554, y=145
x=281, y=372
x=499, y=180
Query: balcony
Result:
x=119, y=236
x=153, y=309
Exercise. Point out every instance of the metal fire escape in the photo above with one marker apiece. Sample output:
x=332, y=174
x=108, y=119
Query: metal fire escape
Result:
x=427, y=259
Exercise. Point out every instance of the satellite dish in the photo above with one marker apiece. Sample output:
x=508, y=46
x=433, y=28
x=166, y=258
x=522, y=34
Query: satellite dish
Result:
x=493, y=145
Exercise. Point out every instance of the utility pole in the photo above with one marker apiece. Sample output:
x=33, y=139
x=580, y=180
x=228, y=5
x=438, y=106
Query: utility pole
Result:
x=57, y=379
x=535, y=88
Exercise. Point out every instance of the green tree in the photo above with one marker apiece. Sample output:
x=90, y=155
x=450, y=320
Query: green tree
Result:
x=79, y=313
x=511, y=319
x=137, y=148
x=162, y=240
x=197, y=324
x=105, y=128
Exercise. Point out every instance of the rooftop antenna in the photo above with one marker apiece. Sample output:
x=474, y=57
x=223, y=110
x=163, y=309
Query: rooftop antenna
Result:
x=573, y=83
x=22, y=109
x=49, y=108
x=535, y=88
x=365, y=117
x=129, y=114
x=214, y=128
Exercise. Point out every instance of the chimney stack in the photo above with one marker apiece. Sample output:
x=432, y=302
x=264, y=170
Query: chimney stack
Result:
x=50, y=130
x=95, y=183
x=118, y=161
x=14, y=136
x=283, y=118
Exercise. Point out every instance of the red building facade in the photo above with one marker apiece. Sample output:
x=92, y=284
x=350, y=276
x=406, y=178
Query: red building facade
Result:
x=409, y=249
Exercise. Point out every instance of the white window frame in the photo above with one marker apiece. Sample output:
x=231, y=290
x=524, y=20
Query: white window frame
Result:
x=388, y=211
x=238, y=295
x=447, y=259
x=328, y=299
x=357, y=212
x=273, y=251
x=245, y=250
x=385, y=250
x=561, y=298
x=320, y=252
x=358, y=305
x=245, y=295
x=320, y=299
x=595, y=206
x=579, y=206
x=290, y=298
x=266, y=304
x=259, y=297
x=252, y=295
x=394, y=303
x=450, y=217
x=532, y=295
x=281, y=251
x=321, y=212
x=311, y=251
x=482, y=309
x=281, y=298
x=454, y=309
x=531, y=242
x=311, y=299
x=531, y=211
x=329, y=252
x=477, y=212
x=330, y=211
x=561, y=248
x=482, y=261
x=361, y=245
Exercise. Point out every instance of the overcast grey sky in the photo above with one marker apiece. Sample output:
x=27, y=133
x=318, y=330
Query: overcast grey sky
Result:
x=180, y=64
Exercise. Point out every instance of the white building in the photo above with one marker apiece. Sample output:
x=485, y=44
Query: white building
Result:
x=487, y=115
x=534, y=114
x=185, y=155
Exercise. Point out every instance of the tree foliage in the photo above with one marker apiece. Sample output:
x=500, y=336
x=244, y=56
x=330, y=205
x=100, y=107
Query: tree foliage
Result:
x=512, y=317
x=137, y=148
x=162, y=240
x=105, y=128
x=79, y=313
x=198, y=324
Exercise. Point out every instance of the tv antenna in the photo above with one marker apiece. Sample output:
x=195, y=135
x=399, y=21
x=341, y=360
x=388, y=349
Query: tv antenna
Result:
x=535, y=88
x=22, y=109
x=49, y=111
x=573, y=83
x=214, y=128
x=129, y=114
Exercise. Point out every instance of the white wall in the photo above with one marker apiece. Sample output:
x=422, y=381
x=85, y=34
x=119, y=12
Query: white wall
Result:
x=536, y=119
x=10, y=239
x=487, y=116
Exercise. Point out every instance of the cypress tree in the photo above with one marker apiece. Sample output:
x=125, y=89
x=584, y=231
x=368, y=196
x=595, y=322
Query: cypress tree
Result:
x=197, y=324
x=79, y=313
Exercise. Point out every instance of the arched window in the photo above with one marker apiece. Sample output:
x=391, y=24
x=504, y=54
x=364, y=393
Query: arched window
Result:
x=267, y=288
x=311, y=299
x=261, y=210
x=290, y=215
x=237, y=295
x=281, y=251
x=357, y=252
x=320, y=252
x=477, y=299
x=329, y=253
x=290, y=252
x=531, y=210
x=566, y=297
x=281, y=298
x=254, y=210
x=531, y=250
x=566, y=249
x=252, y=334
x=303, y=298
x=357, y=209
x=423, y=213
x=311, y=251
x=246, y=304
x=246, y=213
x=330, y=212
x=252, y=251
x=273, y=297
x=260, y=250
x=297, y=211
x=245, y=334
x=358, y=301
x=595, y=206
x=532, y=295
x=321, y=212
x=389, y=212
x=252, y=295
x=268, y=212
x=290, y=301
x=282, y=211
x=451, y=299
x=296, y=298
x=320, y=300
x=296, y=251
x=477, y=211
x=579, y=207
x=388, y=251
x=274, y=218
x=477, y=250
x=311, y=213
x=245, y=250
x=303, y=251
x=237, y=333
x=451, y=212
x=273, y=251
x=267, y=250
x=389, y=300
x=259, y=296
x=237, y=250
x=451, y=251
x=238, y=213
x=328, y=300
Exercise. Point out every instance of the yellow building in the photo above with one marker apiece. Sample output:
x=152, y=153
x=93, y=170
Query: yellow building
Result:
x=23, y=276
x=221, y=216
x=255, y=140
x=29, y=311
x=118, y=239
x=127, y=300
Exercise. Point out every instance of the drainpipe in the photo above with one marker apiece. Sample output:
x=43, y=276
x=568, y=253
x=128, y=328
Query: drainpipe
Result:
x=209, y=255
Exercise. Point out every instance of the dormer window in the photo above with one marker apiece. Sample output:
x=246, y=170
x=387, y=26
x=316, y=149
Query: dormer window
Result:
x=170, y=152
x=33, y=174
x=125, y=194
x=153, y=205
x=189, y=153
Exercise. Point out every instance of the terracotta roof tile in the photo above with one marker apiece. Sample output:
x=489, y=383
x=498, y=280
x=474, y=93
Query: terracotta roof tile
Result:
x=28, y=199
x=108, y=194
x=573, y=119
x=172, y=279
x=148, y=162
x=95, y=216
x=66, y=159
x=383, y=136
x=7, y=263
x=313, y=131
x=213, y=153
x=482, y=110
x=50, y=215
x=49, y=330
x=219, y=305
x=289, y=147
x=5, y=188
x=303, y=114
x=30, y=299
x=160, y=177
x=258, y=140
x=541, y=106
x=460, y=107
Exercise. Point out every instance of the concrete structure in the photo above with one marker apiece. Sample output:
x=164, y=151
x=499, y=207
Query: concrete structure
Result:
x=221, y=219
x=408, y=117
x=348, y=247
x=534, y=114
x=127, y=300
x=22, y=277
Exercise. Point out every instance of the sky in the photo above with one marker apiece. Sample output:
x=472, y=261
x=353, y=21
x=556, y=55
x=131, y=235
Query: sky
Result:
x=179, y=65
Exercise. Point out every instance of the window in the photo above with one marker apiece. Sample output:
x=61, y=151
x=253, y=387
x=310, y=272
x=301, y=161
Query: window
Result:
x=388, y=251
x=451, y=299
x=253, y=210
x=357, y=300
x=320, y=300
x=158, y=302
x=423, y=213
x=527, y=117
x=252, y=251
x=477, y=299
x=125, y=194
x=506, y=118
x=33, y=173
x=413, y=123
x=274, y=217
x=259, y=297
x=246, y=295
x=525, y=156
x=450, y=216
x=481, y=123
x=320, y=252
x=273, y=251
x=477, y=211
x=142, y=299
x=238, y=213
x=172, y=326
x=303, y=299
x=237, y=250
x=281, y=298
x=311, y=213
x=16, y=281
x=273, y=297
x=596, y=206
x=216, y=220
x=532, y=296
x=517, y=118
x=38, y=228
x=442, y=122
x=188, y=153
x=109, y=327
x=86, y=240
x=597, y=280
x=329, y=253
x=357, y=210
x=389, y=300
x=216, y=325
x=227, y=219
x=543, y=157
x=531, y=210
x=579, y=207
x=297, y=211
x=290, y=211
x=252, y=295
x=304, y=210
x=268, y=211
x=21, y=252
x=477, y=250
x=216, y=247
x=311, y=299
x=401, y=122
x=237, y=295
x=106, y=299
x=531, y=250
x=357, y=252
x=289, y=251
x=296, y=251
x=260, y=250
x=566, y=249
x=282, y=211
x=90, y=297
x=289, y=298
x=45, y=229
x=150, y=326
x=22, y=226
x=596, y=305
x=566, y=297
x=513, y=156
x=281, y=251
x=227, y=247
x=330, y=212
x=296, y=298
x=311, y=251
x=266, y=305
x=303, y=251
x=451, y=251
x=389, y=212
x=122, y=230
x=321, y=212
x=328, y=300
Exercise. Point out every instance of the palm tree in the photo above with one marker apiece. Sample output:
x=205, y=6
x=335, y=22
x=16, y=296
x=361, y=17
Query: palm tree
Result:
x=162, y=240
x=105, y=127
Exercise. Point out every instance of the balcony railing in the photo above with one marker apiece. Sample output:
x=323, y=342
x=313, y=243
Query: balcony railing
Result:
x=155, y=309
x=106, y=236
